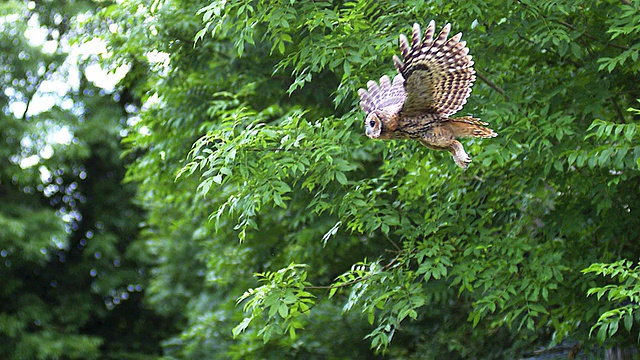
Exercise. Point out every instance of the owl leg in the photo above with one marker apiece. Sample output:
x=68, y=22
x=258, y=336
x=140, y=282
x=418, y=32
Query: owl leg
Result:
x=459, y=155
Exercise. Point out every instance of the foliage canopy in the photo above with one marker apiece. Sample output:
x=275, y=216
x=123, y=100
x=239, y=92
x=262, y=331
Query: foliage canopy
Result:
x=435, y=259
x=277, y=230
x=72, y=270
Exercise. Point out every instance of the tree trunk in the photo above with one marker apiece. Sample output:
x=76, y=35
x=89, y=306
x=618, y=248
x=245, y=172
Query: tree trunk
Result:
x=617, y=353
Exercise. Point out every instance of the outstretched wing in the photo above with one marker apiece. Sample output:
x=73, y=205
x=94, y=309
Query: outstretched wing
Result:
x=438, y=72
x=389, y=96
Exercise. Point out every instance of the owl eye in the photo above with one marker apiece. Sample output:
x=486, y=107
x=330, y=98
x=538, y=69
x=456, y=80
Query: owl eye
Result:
x=373, y=126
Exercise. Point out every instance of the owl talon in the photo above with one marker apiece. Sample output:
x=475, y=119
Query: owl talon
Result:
x=460, y=156
x=463, y=163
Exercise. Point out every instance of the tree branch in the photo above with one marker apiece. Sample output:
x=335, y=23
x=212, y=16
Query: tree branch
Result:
x=393, y=243
x=618, y=110
x=552, y=51
x=491, y=84
x=585, y=33
x=564, y=23
x=354, y=281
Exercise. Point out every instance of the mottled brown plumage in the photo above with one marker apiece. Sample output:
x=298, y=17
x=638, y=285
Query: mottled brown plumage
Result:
x=434, y=82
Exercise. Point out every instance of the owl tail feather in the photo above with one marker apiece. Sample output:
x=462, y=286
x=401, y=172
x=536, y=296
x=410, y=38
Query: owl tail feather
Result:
x=470, y=127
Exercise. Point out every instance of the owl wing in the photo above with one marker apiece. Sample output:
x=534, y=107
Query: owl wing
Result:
x=438, y=72
x=388, y=95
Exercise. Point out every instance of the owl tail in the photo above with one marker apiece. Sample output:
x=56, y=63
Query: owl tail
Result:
x=470, y=127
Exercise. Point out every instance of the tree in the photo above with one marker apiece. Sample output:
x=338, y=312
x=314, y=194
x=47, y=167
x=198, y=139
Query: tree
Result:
x=389, y=240
x=73, y=270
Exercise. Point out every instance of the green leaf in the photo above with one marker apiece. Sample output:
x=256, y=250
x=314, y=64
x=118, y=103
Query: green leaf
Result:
x=628, y=321
x=332, y=291
x=241, y=327
x=283, y=310
x=630, y=131
x=613, y=328
x=278, y=200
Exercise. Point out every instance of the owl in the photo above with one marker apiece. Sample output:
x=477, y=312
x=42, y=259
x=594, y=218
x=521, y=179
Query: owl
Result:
x=434, y=80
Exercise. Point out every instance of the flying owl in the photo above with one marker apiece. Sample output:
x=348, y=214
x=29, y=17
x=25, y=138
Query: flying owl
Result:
x=434, y=82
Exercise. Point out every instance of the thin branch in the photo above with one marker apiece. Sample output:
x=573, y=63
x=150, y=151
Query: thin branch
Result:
x=354, y=281
x=393, y=243
x=572, y=27
x=62, y=30
x=618, y=110
x=31, y=95
x=551, y=51
x=560, y=348
x=564, y=23
x=492, y=84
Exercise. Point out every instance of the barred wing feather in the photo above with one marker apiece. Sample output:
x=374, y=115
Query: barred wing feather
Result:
x=387, y=95
x=438, y=72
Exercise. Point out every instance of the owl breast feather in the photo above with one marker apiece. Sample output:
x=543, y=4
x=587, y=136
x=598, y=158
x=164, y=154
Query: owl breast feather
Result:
x=416, y=127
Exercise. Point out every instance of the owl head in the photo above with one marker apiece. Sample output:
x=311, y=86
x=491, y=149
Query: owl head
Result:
x=380, y=124
x=372, y=126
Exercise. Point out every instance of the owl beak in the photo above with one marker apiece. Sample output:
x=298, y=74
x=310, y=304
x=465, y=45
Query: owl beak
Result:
x=370, y=132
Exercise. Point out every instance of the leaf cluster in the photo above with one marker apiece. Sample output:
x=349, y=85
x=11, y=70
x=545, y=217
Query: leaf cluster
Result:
x=253, y=134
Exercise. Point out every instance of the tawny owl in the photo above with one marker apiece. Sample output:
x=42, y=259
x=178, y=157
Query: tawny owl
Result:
x=434, y=82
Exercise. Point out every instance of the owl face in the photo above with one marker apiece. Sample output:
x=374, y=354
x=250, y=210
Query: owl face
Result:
x=372, y=126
